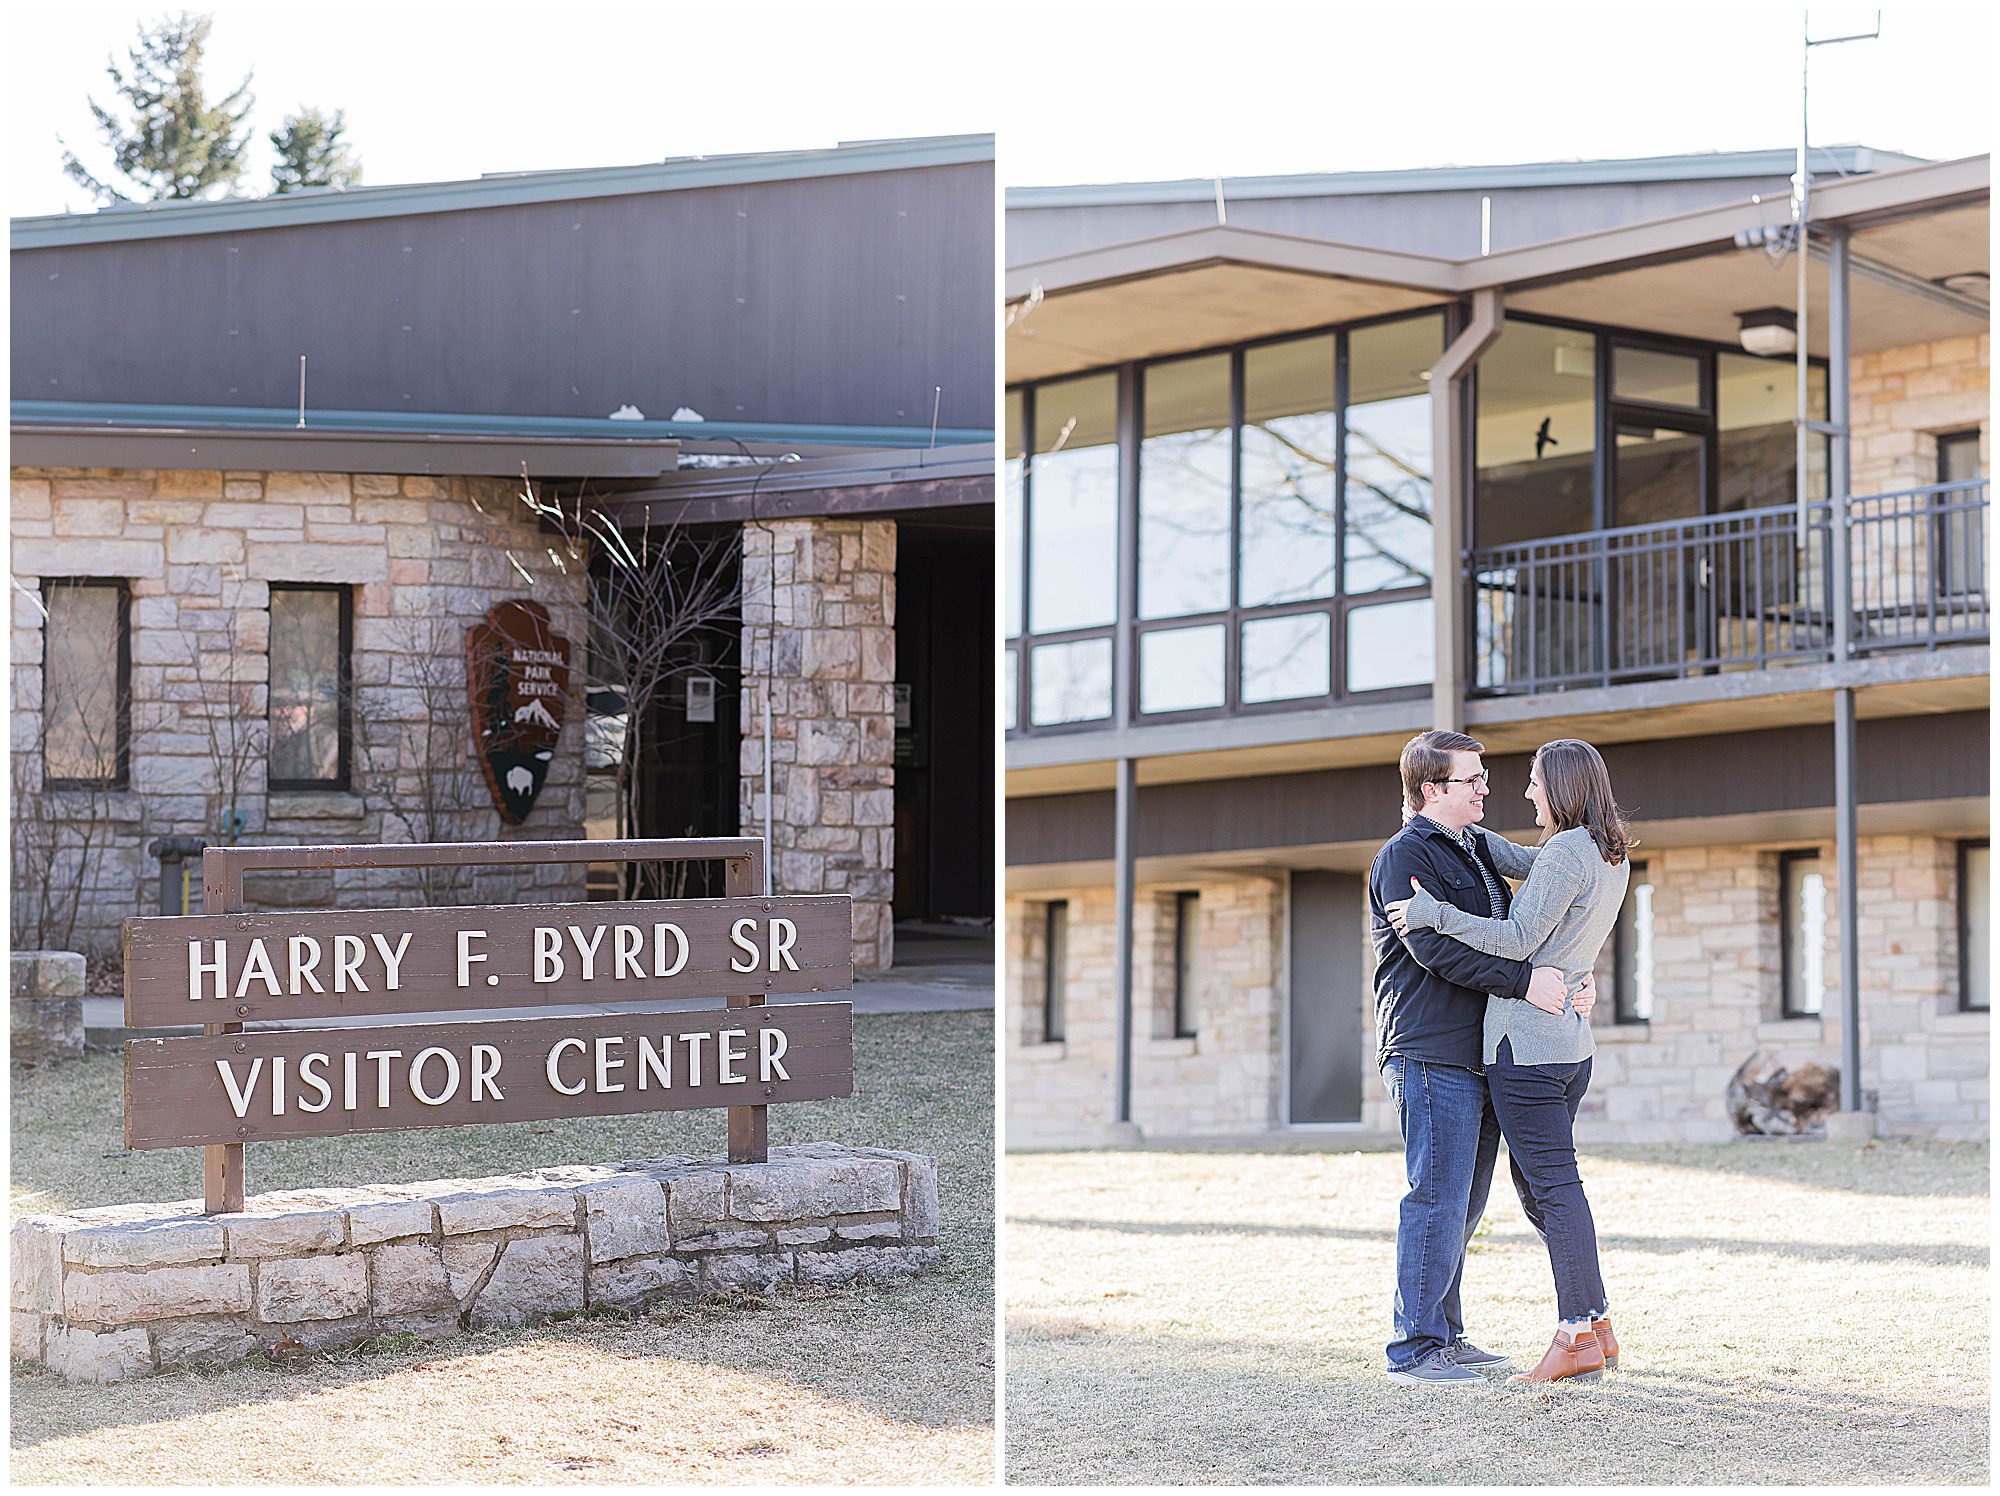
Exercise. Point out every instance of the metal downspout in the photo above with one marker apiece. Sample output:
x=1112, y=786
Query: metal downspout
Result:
x=1845, y=831
x=1449, y=507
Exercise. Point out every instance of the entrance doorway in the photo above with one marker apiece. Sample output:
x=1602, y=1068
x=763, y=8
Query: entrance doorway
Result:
x=1328, y=1000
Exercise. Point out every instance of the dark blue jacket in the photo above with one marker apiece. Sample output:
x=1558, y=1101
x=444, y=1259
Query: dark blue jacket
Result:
x=1430, y=991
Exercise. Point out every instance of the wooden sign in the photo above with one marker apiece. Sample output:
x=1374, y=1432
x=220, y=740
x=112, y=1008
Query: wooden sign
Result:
x=237, y=968
x=309, y=1083
x=517, y=678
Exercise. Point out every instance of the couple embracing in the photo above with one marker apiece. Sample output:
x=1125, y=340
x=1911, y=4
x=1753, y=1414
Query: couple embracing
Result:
x=1482, y=1010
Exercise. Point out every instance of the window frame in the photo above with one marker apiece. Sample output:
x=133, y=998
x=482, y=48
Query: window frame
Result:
x=1187, y=903
x=1788, y=914
x=1623, y=1003
x=1942, y=588
x=1965, y=908
x=344, y=670
x=1055, y=971
x=121, y=775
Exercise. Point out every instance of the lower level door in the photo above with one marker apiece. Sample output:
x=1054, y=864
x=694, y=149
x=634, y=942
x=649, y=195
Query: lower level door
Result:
x=1329, y=997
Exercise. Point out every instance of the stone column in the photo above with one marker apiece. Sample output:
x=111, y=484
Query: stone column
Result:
x=819, y=638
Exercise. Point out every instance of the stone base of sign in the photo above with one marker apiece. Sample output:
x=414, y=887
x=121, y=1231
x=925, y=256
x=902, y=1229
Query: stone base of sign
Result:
x=45, y=1016
x=105, y=1294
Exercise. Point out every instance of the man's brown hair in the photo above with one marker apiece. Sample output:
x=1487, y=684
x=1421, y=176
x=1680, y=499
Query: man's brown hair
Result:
x=1427, y=760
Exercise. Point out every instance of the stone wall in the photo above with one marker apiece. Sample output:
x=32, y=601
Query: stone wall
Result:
x=828, y=667
x=45, y=1007
x=1902, y=399
x=1717, y=998
x=1224, y=1079
x=102, y=1295
x=425, y=558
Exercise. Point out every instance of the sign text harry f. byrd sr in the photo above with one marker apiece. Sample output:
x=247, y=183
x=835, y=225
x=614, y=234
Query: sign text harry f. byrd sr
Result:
x=316, y=1082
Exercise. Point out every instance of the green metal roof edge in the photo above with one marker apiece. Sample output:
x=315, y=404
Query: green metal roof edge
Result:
x=1851, y=159
x=504, y=190
x=336, y=422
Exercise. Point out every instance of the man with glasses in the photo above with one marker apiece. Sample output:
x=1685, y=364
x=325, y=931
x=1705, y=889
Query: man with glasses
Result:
x=1430, y=1005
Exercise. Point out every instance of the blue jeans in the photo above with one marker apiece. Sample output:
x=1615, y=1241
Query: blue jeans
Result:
x=1450, y=1139
x=1537, y=1106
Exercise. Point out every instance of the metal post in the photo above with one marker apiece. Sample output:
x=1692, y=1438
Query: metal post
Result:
x=1128, y=776
x=1448, y=508
x=1839, y=459
x=1850, y=952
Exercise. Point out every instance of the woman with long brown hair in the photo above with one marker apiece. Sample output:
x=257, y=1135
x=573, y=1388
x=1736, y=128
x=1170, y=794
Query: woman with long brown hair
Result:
x=1538, y=1063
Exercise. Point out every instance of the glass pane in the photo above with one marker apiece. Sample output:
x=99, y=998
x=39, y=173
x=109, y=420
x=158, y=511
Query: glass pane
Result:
x=1958, y=457
x=1662, y=378
x=1015, y=466
x=1187, y=955
x=1184, y=464
x=1390, y=645
x=1073, y=546
x=1288, y=436
x=1625, y=967
x=1976, y=928
x=80, y=683
x=1180, y=669
x=1756, y=401
x=1055, y=974
x=1657, y=476
x=1805, y=936
x=1537, y=426
x=1070, y=682
x=1388, y=500
x=1287, y=658
x=305, y=685
x=1010, y=692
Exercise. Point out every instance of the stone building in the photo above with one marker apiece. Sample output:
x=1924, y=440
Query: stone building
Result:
x=274, y=458
x=1513, y=451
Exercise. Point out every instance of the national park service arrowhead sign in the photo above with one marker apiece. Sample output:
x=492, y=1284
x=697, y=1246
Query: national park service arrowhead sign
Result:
x=517, y=676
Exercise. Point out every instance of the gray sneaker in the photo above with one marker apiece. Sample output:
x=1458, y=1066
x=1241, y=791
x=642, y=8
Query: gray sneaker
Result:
x=1470, y=1356
x=1438, y=1369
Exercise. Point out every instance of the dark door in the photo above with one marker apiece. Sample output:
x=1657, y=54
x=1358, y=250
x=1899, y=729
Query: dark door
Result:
x=1329, y=997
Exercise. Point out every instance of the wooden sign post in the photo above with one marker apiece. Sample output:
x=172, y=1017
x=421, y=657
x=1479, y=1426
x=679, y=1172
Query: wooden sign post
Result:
x=226, y=967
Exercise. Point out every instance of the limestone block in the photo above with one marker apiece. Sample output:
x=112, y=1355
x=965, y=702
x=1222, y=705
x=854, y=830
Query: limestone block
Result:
x=804, y=1189
x=802, y=1236
x=296, y=561
x=34, y=1260
x=173, y=484
x=112, y=490
x=697, y=1203
x=466, y=1264
x=221, y=1341
x=410, y=1279
x=734, y=1271
x=146, y=1242
x=309, y=488
x=497, y=1209
x=722, y=1241
x=625, y=1218
x=536, y=1275
x=123, y=1298
x=97, y=1355
x=290, y=1235
x=637, y=1280
x=196, y=546
x=46, y=974
x=864, y=1264
x=867, y=1231
x=309, y=1288
x=385, y=1220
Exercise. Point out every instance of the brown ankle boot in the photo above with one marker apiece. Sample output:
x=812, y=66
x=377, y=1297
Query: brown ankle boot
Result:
x=1581, y=1357
x=1601, y=1328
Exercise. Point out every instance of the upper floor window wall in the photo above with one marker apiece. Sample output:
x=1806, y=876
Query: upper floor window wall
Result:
x=1282, y=553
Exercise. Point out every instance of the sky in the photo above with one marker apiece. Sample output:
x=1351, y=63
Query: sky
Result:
x=1090, y=90
x=445, y=91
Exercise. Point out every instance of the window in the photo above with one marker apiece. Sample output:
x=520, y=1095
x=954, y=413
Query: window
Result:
x=1960, y=526
x=1187, y=950
x=1632, y=951
x=1055, y=972
x=1802, y=929
x=312, y=641
x=86, y=684
x=1975, y=914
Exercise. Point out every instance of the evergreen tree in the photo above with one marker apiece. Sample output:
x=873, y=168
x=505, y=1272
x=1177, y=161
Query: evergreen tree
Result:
x=176, y=144
x=311, y=152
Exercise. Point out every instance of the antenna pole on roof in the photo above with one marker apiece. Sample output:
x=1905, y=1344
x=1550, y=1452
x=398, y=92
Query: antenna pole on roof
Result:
x=1221, y=212
x=937, y=399
x=302, y=392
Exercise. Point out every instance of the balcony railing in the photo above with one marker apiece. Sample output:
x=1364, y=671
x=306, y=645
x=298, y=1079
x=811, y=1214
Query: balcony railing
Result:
x=1727, y=592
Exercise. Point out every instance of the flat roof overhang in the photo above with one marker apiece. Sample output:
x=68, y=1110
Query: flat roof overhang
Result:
x=1681, y=276
x=942, y=483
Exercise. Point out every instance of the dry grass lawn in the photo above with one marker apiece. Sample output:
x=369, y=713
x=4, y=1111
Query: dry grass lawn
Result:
x=1789, y=1313
x=866, y=1386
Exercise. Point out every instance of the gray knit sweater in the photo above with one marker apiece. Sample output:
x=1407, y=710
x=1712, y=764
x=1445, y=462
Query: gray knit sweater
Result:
x=1561, y=917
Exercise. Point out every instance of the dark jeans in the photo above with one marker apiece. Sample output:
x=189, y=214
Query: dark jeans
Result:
x=1537, y=1105
x=1450, y=1139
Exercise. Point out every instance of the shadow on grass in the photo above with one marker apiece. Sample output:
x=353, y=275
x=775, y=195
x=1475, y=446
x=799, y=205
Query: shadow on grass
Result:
x=1921, y=1254
x=1907, y=1168
x=1090, y=1406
